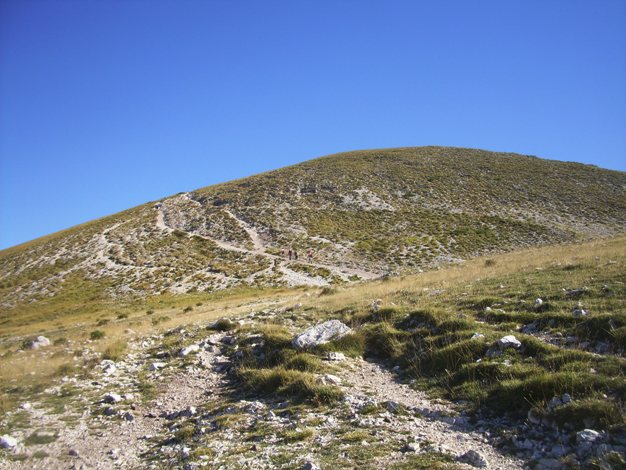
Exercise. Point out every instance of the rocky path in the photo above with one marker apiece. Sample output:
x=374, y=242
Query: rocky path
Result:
x=117, y=430
x=291, y=278
x=436, y=426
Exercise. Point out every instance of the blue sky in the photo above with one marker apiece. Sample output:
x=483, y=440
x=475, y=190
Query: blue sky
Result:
x=105, y=105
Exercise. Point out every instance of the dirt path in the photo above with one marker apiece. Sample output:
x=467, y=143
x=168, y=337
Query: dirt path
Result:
x=437, y=425
x=291, y=277
x=104, y=444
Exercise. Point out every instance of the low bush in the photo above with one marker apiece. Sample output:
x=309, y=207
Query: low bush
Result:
x=96, y=334
x=590, y=413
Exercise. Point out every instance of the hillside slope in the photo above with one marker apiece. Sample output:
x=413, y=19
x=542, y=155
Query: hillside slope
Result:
x=362, y=214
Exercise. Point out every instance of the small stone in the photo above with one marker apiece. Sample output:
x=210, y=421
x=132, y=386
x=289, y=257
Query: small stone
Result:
x=587, y=436
x=412, y=447
x=128, y=416
x=7, y=442
x=329, y=379
x=73, y=452
x=509, y=341
x=39, y=342
x=308, y=465
x=109, y=411
x=538, y=302
x=187, y=412
x=336, y=356
x=193, y=348
x=477, y=336
x=157, y=365
x=112, y=398
x=473, y=458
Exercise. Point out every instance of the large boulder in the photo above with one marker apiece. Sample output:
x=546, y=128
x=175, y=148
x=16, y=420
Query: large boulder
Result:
x=320, y=334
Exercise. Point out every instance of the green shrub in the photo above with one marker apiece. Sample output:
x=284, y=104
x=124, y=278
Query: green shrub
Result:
x=288, y=383
x=352, y=344
x=451, y=358
x=304, y=362
x=96, y=334
x=115, y=350
x=223, y=324
x=384, y=340
x=590, y=413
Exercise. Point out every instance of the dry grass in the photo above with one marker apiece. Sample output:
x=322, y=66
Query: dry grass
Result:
x=361, y=296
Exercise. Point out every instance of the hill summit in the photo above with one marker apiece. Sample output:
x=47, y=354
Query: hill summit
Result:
x=349, y=216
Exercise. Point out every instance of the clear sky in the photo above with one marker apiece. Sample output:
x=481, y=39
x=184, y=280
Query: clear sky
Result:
x=105, y=105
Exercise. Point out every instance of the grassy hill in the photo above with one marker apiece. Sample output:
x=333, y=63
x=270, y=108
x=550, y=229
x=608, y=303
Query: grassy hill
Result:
x=363, y=214
x=437, y=331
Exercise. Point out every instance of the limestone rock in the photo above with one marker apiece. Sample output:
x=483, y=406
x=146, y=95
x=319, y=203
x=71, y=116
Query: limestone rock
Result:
x=473, y=458
x=193, y=348
x=7, y=442
x=336, y=356
x=329, y=379
x=509, y=341
x=320, y=334
x=39, y=342
x=587, y=436
x=112, y=398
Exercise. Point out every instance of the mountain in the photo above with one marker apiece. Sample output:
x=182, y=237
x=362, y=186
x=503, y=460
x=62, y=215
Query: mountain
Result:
x=362, y=214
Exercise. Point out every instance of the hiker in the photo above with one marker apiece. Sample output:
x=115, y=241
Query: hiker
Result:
x=309, y=255
x=290, y=254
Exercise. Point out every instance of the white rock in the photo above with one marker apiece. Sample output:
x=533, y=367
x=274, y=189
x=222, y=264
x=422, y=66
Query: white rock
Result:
x=7, y=442
x=509, y=341
x=336, y=356
x=320, y=334
x=188, y=412
x=188, y=350
x=412, y=447
x=587, y=435
x=308, y=465
x=108, y=367
x=157, y=365
x=538, y=302
x=112, y=398
x=473, y=458
x=40, y=342
x=477, y=336
x=329, y=379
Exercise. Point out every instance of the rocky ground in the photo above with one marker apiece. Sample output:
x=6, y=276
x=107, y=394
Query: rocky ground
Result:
x=174, y=401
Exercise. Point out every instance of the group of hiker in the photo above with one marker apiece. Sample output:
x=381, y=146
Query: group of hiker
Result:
x=293, y=254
